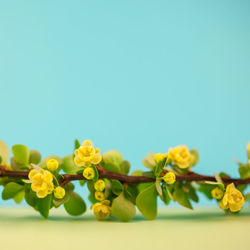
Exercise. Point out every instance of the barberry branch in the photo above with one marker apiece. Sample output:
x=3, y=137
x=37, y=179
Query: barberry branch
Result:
x=103, y=173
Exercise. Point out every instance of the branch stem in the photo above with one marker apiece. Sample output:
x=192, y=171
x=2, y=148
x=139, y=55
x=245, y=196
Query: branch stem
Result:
x=103, y=173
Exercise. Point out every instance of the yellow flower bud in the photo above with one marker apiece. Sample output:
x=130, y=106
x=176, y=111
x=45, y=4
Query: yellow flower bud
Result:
x=101, y=209
x=99, y=185
x=159, y=157
x=99, y=196
x=59, y=192
x=86, y=154
x=233, y=199
x=169, y=178
x=217, y=193
x=52, y=164
x=89, y=173
x=180, y=156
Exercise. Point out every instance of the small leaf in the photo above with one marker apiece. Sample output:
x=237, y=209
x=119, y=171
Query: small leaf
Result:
x=43, y=205
x=75, y=206
x=19, y=196
x=244, y=171
x=35, y=157
x=146, y=202
x=125, y=167
x=68, y=165
x=30, y=196
x=158, y=187
x=117, y=187
x=113, y=156
x=77, y=144
x=11, y=190
x=149, y=161
x=21, y=153
x=112, y=167
x=181, y=197
x=196, y=156
x=123, y=209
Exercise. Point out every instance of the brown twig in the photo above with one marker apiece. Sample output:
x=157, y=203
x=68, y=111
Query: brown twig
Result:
x=103, y=173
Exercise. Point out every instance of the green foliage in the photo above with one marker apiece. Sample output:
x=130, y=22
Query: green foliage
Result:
x=122, y=208
x=125, y=167
x=181, y=196
x=77, y=144
x=196, y=156
x=11, y=190
x=21, y=153
x=43, y=205
x=149, y=161
x=35, y=157
x=4, y=152
x=75, y=206
x=112, y=156
x=117, y=187
x=244, y=171
x=30, y=196
x=146, y=202
x=68, y=165
x=206, y=190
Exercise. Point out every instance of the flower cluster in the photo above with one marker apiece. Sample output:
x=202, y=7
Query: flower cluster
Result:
x=86, y=154
x=41, y=182
x=232, y=199
x=101, y=209
x=180, y=156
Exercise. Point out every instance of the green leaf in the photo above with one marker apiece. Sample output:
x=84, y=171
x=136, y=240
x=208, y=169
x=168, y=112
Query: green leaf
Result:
x=68, y=165
x=158, y=187
x=122, y=208
x=19, y=196
x=206, y=190
x=137, y=173
x=149, y=161
x=43, y=205
x=148, y=174
x=181, y=197
x=75, y=206
x=112, y=167
x=35, y=157
x=196, y=156
x=1, y=159
x=11, y=190
x=96, y=173
x=77, y=144
x=4, y=152
x=117, y=187
x=146, y=202
x=244, y=171
x=112, y=156
x=30, y=196
x=125, y=167
x=21, y=153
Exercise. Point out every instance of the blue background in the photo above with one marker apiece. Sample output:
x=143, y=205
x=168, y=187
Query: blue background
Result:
x=137, y=76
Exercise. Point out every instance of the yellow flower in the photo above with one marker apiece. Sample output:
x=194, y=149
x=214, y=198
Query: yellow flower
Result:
x=7, y=167
x=169, y=178
x=217, y=193
x=88, y=173
x=59, y=192
x=86, y=154
x=41, y=182
x=248, y=151
x=180, y=156
x=159, y=157
x=52, y=164
x=99, y=196
x=233, y=199
x=101, y=209
x=99, y=185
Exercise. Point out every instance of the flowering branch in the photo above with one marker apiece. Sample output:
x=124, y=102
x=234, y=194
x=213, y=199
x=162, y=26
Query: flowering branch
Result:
x=103, y=173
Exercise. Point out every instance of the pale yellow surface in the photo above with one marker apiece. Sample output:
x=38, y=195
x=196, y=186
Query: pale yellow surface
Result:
x=23, y=228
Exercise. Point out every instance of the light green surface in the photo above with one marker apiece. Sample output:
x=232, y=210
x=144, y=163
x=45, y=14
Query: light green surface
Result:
x=23, y=228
